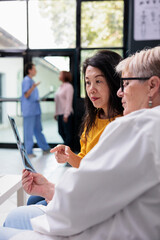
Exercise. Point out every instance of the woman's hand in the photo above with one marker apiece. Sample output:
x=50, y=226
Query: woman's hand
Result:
x=55, y=117
x=65, y=119
x=64, y=154
x=37, y=184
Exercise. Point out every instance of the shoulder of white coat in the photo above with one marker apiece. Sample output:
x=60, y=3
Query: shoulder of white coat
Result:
x=142, y=115
x=150, y=116
x=144, y=120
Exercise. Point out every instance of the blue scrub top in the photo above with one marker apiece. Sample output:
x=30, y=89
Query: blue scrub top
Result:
x=29, y=106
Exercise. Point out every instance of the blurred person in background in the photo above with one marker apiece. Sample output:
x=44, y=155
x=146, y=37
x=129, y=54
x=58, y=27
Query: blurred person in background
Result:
x=64, y=108
x=31, y=112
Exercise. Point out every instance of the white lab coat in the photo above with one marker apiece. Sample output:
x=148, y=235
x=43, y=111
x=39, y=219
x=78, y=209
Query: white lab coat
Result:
x=115, y=194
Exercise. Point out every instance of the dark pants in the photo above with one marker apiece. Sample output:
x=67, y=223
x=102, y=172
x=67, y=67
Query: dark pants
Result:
x=65, y=129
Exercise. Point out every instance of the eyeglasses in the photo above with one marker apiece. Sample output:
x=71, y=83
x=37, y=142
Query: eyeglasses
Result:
x=134, y=78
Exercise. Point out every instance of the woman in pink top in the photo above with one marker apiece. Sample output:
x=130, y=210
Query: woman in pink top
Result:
x=64, y=109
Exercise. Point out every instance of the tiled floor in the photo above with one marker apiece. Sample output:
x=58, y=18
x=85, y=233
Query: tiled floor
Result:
x=11, y=163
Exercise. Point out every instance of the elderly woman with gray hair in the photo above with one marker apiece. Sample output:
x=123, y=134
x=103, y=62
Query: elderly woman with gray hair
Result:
x=115, y=193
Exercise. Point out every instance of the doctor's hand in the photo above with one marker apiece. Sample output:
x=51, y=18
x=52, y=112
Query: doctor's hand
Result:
x=37, y=184
x=36, y=84
x=64, y=154
x=28, y=93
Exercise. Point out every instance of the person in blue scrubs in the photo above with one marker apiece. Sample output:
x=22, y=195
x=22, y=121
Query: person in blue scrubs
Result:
x=31, y=112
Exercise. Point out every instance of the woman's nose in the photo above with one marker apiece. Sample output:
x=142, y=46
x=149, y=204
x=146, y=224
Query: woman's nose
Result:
x=92, y=88
x=120, y=93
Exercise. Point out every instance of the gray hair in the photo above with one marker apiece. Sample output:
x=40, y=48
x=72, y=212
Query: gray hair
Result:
x=145, y=63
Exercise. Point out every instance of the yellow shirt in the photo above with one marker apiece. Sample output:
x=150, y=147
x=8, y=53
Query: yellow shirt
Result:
x=93, y=136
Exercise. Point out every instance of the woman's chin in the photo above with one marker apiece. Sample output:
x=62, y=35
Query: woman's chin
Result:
x=95, y=105
x=125, y=112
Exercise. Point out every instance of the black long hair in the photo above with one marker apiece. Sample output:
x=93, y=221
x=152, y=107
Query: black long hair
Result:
x=105, y=61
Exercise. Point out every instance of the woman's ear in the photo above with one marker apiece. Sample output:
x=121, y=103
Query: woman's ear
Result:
x=154, y=85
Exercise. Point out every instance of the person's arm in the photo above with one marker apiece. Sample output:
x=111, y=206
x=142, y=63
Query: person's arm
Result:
x=37, y=184
x=83, y=145
x=64, y=154
x=28, y=93
x=119, y=169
